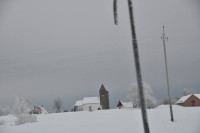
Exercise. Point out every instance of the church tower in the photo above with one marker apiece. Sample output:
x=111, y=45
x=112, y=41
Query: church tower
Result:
x=104, y=97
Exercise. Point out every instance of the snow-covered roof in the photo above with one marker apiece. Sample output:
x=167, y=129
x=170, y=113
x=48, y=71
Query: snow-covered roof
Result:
x=184, y=98
x=197, y=95
x=43, y=110
x=79, y=103
x=91, y=100
x=87, y=100
x=127, y=104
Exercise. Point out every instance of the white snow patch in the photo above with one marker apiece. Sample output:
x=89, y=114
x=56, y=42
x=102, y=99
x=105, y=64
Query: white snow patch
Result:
x=187, y=120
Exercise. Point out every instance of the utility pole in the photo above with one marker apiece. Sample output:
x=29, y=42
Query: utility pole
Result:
x=164, y=38
x=137, y=62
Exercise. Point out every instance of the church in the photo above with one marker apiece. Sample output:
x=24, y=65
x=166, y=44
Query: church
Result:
x=94, y=103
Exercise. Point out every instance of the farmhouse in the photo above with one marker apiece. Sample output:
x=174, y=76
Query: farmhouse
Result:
x=94, y=103
x=124, y=105
x=38, y=110
x=189, y=100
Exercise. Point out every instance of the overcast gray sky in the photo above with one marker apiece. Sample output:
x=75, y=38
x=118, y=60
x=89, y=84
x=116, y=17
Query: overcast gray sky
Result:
x=67, y=49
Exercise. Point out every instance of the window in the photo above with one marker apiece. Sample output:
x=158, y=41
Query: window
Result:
x=193, y=102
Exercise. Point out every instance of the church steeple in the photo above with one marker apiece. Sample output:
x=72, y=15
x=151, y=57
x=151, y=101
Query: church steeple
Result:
x=104, y=97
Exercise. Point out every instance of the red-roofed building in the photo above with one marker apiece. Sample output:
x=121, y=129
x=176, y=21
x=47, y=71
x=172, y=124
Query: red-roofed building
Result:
x=189, y=100
x=39, y=110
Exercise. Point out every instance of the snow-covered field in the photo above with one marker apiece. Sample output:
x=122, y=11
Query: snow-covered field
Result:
x=187, y=120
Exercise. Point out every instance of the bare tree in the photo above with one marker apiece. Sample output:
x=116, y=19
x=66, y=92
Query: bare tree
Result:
x=189, y=91
x=58, y=105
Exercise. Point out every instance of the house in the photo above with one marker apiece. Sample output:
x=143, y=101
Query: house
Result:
x=124, y=105
x=88, y=104
x=39, y=110
x=189, y=100
x=94, y=103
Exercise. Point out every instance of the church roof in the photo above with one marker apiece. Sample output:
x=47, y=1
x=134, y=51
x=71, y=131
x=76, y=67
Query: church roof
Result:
x=91, y=100
x=87, y=100
x=102, y=88
x=79, y=103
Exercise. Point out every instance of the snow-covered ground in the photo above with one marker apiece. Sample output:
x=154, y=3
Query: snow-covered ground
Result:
x=187, y=120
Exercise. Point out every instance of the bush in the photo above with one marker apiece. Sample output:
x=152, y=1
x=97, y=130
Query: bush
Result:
x=2, y=122
x=21, y=106
x=25, y=118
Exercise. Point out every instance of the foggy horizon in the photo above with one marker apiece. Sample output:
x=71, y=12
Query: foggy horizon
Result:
x=68, y=49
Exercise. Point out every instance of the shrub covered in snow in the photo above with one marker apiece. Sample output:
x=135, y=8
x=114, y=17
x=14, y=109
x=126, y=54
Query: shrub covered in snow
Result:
x=133, y=95
x=22, y=109
x=22, y=105
x=25, y=118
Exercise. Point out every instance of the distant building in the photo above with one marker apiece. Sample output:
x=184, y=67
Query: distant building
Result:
x=88, y=104
x=39, y=110
x=124, y=105
x=94, y=103
x=104, y=97
x=189, y=100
